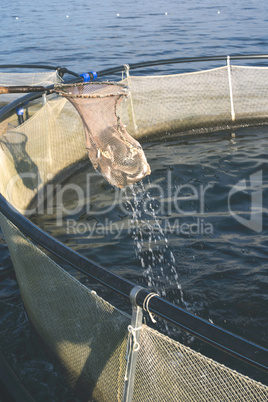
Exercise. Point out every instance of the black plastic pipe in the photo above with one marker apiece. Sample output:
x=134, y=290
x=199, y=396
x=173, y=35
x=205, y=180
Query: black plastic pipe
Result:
x=202, y=329
x=62, y=70
x=6, y=109
x=179, y=60
x=236, y=346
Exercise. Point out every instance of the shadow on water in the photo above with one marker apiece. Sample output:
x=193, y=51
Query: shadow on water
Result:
x=15, y=144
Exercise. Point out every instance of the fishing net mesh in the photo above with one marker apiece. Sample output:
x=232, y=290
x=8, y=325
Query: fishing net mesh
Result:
x=203, y=101
x=168, y=370
x=41, y=151
x=88, y=337
x=105, y=120
x=112, y=151
x=86, y=334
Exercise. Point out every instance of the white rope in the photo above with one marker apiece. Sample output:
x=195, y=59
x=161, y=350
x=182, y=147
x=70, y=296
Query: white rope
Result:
x=132, y=331
x=146, y=304
x=135, y=347
x=130, y=96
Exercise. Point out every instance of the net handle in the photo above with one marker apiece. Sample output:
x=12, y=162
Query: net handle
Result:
x=23, y=89
x=59, y=89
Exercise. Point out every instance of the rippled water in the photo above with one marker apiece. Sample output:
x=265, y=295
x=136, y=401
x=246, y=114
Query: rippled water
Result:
x=180, y=230
x=95, y=35
x=214, y=265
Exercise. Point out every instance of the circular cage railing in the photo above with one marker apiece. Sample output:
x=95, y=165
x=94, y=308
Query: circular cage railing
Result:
x=72, y=320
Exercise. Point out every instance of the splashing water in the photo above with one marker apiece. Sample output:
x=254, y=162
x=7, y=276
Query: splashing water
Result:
x=151, y=244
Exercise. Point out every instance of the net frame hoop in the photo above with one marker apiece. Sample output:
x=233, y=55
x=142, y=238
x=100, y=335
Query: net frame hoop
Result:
x=59, y=88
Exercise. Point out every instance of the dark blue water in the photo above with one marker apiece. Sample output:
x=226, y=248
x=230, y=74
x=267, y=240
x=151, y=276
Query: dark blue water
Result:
x=186, y=230
x=86, y=35
x=219, y=275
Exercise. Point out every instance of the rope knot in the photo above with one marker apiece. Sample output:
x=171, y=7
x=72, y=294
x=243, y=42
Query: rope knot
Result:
x=132, y=331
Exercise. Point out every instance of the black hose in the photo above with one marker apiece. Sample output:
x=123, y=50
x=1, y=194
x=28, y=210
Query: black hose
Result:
x=224, y=340
x=234, y=345
x=61, y=70
x=179, y=60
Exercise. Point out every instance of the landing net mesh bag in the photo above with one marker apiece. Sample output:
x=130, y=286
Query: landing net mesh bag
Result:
x=112, y=151
x=28, y=79
x=88, y=337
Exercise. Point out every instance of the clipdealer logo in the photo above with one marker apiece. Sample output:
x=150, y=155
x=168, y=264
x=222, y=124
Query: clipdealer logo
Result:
x=253, y=188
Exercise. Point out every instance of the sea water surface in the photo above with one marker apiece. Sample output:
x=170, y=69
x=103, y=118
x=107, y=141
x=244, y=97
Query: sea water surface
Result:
x=220, y=275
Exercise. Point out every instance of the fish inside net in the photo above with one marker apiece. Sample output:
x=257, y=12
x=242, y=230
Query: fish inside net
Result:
x=112, y=151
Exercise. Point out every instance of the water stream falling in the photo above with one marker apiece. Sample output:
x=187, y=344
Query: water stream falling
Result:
x=151, y=244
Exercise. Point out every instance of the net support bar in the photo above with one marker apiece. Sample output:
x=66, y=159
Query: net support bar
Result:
x=130, y=97
x=230, y=89
x=133, y=345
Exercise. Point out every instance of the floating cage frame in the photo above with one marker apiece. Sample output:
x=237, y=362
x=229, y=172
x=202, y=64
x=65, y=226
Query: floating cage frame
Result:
x=109, y=375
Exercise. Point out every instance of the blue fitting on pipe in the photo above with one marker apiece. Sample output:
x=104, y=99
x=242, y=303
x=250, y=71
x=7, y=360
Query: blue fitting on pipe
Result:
x=20, y=111
x=91, y=76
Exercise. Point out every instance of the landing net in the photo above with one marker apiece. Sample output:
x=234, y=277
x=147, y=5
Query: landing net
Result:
x=112, y=151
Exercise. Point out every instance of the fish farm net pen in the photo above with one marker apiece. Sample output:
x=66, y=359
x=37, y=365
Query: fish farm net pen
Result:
x=106, y=353
x=202, y=329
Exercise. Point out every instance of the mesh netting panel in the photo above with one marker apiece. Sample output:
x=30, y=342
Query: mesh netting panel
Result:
x=53, y=139
x=34, y=153
x=169, y=371
x=112, y=151
x=86, y=334
x=89, y=338
x=250, y=93
x=33, y=78
x=201, y=101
